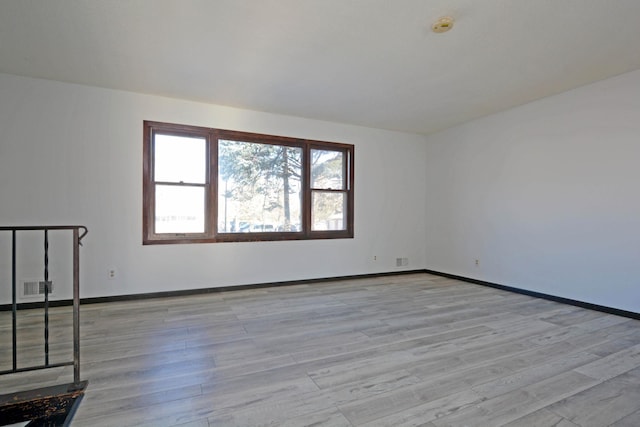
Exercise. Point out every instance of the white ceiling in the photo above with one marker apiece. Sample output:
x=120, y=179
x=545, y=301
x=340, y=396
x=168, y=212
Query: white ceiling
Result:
x=366, y=62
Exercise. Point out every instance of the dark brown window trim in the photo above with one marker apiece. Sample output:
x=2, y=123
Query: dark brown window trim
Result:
x=211, y=235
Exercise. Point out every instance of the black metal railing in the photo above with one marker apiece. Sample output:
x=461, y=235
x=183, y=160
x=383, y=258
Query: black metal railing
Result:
x=78, y=232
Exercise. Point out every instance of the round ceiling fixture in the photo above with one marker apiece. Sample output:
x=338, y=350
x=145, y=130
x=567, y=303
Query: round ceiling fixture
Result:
x=442, y=25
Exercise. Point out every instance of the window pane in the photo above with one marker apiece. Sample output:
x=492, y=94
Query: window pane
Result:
x=180, y=159
x=179, y=209
x=259, y=187
x=328, y=211
x=327, y=169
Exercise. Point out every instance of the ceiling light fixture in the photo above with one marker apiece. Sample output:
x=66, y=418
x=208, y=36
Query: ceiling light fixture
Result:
x=442, y=25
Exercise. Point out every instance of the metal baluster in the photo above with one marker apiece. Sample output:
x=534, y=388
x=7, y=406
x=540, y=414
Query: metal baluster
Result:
x=46, y=297
x=14, y=302
x=76, y=309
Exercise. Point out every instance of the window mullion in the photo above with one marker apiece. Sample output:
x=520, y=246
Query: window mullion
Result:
x=212, y=177
x=306, y=185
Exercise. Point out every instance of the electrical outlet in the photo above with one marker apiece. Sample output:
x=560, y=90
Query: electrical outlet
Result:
x=375, y=257
x=477, y=263
x=111, y=273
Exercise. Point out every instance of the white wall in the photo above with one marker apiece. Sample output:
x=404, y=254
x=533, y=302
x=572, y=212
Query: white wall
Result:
x=72, y=154
x=546, y=196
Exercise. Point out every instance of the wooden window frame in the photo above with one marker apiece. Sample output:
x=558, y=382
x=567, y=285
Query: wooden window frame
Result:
x=211, y=235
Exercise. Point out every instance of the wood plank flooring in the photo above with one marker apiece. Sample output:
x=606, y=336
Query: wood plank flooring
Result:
x=406, y=350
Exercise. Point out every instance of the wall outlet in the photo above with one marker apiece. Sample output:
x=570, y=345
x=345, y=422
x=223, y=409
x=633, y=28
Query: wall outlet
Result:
x=477, y=263
x=375, y=257
x=111, y=273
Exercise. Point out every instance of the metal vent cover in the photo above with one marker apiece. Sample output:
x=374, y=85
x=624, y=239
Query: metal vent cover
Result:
x=35, y=288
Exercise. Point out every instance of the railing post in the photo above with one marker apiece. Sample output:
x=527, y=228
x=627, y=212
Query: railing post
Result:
x=76, y=308
x=46, y=297
x=14, y=301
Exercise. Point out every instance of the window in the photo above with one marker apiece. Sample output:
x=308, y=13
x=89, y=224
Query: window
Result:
x=214, y=185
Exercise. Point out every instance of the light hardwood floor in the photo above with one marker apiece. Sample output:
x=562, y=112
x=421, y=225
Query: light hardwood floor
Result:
x=407, y=350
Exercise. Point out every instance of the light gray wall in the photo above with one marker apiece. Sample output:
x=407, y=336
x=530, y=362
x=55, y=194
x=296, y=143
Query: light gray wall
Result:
x=546, y=196
x=72, y=154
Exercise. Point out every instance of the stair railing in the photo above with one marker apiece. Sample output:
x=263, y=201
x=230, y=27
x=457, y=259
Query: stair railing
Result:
x=78, y=232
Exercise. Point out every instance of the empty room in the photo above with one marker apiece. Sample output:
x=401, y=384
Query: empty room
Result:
x=319, y=213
